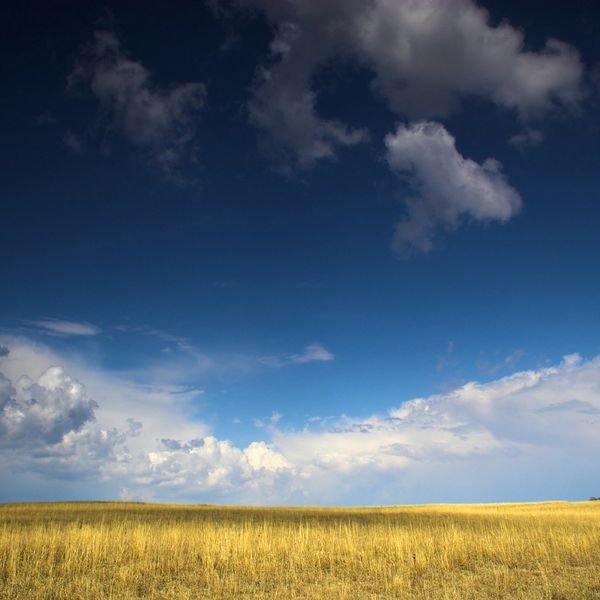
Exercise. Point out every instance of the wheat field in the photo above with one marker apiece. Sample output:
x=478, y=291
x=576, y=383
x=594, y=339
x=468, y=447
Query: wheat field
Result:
x=129, y=550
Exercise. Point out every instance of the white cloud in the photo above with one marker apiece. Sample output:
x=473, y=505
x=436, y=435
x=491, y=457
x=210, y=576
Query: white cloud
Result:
x=447, y=186
x=211, y=466
x=60, y=327
x=118, y=433
x=44, y=410
x=162, y=407
x=545, y=419
x=426, y=56
x=160, y=120
x=515, y=424
x=529, y=435
x=48, y=426
x=313, y=353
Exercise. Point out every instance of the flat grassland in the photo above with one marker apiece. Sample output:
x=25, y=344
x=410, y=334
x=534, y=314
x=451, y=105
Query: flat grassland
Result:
x=127, y=550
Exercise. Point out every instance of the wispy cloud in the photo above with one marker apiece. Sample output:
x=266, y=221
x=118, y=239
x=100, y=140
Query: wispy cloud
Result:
x=508, y=363
x=160, y=121
x=312, y=353
x=73, y=142
x=65, y=328
x=272, y=420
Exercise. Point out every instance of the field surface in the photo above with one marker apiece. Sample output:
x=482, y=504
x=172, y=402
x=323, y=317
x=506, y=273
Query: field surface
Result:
x=124, y=551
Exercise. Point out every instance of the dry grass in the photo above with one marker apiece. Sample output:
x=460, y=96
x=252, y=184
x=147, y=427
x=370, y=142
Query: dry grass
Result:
x=123, y=551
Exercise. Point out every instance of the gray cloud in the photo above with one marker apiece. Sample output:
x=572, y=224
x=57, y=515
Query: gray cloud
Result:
x=425, y=58
x=73, y=142
x=49, y=426
x=159, y=120
x=447, y=186
x=44, y=411
x=527, y=138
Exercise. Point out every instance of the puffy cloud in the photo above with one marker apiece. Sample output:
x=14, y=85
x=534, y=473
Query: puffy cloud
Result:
x=60, y=327
x=448, y=186
x=283, y=107
x=478, y=442
x=529, y=435
x=48, y=426
x=160, y=120
x=113, y=435
x=43, y=411
x=426, y=56
x=211, y=466
x=520, y=423
x=128, y=437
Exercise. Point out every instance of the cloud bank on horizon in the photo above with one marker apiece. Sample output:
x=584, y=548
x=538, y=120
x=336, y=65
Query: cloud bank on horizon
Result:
x=470, y=443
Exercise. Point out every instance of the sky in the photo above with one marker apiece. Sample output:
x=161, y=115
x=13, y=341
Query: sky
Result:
x=308, y=252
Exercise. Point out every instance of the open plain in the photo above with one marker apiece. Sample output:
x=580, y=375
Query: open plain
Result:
x=70, y=551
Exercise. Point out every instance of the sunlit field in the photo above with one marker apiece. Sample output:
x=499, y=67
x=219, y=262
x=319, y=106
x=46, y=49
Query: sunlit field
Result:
x=128, y=550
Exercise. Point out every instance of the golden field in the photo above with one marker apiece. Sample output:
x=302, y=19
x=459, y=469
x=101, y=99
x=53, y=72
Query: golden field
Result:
x=128, y=550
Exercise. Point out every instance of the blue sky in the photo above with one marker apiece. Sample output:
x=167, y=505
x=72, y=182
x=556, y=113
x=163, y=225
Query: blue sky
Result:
x=309, y=252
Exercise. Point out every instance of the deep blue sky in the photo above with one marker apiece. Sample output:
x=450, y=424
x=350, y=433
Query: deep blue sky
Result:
x=219, y=273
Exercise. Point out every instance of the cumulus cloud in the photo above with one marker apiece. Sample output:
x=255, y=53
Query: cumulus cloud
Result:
x=447, y=186
x=476, y=442
x=137, y=437
x=48, y=426
x=295, y=136
x=546, y=418
x=142, y=410
x=159, y=120
x=528, y=435
x=60, y=327
x=44, y=410
x=425, y=56
x=211, y=466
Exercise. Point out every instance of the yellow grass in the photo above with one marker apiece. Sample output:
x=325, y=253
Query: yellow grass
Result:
x=126, y=550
